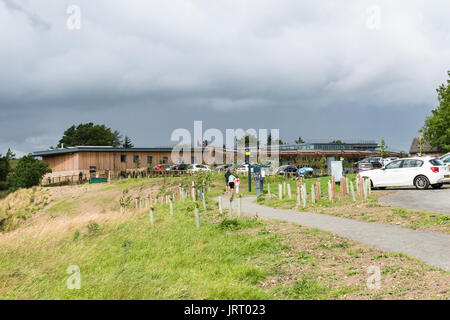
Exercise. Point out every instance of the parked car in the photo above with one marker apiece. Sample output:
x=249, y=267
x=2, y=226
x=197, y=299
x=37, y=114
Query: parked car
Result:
x=198, y=167
x=242, y=169
x=287, y=170
x=377, y=161
x=179, y=167
x=363, y=166
x=446, y=159
x=162, y=167
x=305, y=171
x=385, y=161
x=224, y=167
x=420, y=172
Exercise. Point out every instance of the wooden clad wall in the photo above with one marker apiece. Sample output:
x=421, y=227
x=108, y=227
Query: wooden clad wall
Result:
x=102, y=160
x=63, y=162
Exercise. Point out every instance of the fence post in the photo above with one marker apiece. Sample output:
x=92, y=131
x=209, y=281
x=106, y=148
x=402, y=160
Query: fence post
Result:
x=353, y=191
x=231, y=209
x=152, y=219
x=313, y=193
x=298, y=194
x=289, y=191
x=333, y=190
x=220, y=206
x=197, y=218
x=304, y=195
x=239, y=207
x=280, y=191
x=329, y=190
x=318, y=189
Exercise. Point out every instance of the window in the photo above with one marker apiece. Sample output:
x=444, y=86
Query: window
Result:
x=135, y=158
x=165, y=159
x=394, y=164
x=412, y=163
x=446, y=159
x=436, y=162
x=149, y=159
x=123, y=158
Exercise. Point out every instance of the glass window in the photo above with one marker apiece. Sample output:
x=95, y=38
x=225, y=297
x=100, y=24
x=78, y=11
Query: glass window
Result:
x=412, y=163
x=165, y=159
x=446, y=159
x=149, y=159
x=135, y=158
x=436, y=162
x=394, y=164
x=123, y=158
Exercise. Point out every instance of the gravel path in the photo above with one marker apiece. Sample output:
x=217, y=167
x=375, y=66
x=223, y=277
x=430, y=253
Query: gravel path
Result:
x=425, y=200
x=433, y=248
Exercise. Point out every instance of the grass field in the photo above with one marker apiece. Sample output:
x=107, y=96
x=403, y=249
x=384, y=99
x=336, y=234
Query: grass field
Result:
x=124, y=256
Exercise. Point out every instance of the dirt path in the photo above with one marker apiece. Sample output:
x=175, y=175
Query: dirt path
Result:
x=431, y=247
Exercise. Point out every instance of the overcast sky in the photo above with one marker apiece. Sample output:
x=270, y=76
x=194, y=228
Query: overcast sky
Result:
x=334, y=70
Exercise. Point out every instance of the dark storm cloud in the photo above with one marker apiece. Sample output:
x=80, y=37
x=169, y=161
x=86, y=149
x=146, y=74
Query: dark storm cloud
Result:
x=146, y=68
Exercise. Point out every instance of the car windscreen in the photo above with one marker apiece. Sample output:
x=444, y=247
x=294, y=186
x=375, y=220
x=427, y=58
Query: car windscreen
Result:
x=436, y=162
x=365, y=165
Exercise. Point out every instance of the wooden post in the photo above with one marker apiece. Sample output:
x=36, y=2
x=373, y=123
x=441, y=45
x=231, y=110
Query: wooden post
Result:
x=171, y=207
x=284, y=189
x=317, y=189
x=298, y=194
x=136, y=200
x=220, y=206
x=342, y=183
x=313, y=193
x=231, y=209
x=361, y=188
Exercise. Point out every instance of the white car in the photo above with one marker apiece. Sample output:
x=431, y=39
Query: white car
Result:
x=242, y=169
x=198, y=167
x=446, y=159
x=420, y=172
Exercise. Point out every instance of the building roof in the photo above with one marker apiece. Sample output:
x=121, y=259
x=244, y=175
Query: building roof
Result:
x=426, y=147
x=98, y=149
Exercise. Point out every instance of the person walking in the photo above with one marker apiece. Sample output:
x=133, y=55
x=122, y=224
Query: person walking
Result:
x=231, y=181
x=227, y=175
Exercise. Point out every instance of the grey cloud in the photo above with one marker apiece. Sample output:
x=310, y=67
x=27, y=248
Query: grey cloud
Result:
x=147, y=68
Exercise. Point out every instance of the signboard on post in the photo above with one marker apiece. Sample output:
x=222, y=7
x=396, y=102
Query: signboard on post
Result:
x=337, y=170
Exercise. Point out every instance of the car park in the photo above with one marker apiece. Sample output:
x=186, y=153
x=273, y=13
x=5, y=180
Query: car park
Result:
x=420, y=172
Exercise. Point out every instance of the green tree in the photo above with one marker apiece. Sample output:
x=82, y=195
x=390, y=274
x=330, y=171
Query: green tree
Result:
x=436, y=129
x=299, y=140
x=27, y=173
x=127, y=143
x=383, y=148
x=421, y=145
x=5, y=166
x=88, y=134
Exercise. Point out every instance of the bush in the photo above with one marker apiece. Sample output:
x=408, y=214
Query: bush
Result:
x=27, y=173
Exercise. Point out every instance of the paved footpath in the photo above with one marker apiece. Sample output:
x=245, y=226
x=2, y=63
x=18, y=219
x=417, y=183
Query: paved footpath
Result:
x=433, y=248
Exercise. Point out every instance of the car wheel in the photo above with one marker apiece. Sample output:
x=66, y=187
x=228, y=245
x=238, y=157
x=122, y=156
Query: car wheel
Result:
x=421, y=182
x=437, y=185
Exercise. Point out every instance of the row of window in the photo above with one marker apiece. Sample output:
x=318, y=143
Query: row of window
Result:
x=123, y=158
